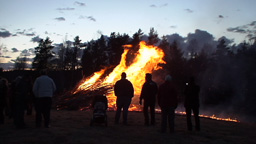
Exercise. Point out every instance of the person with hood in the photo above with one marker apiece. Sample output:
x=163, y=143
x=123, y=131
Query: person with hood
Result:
x=168, y=101
x=124, y=92
x=148, y=94
x=192, y=103
x=43, y=89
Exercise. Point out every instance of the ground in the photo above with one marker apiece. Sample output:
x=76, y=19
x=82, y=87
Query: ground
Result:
x=69, y=127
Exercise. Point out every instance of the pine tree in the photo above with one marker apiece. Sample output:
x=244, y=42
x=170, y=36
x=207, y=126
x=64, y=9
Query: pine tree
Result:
x=43, y=55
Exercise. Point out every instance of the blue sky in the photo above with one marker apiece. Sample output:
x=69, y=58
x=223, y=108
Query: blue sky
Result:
x=24, y=20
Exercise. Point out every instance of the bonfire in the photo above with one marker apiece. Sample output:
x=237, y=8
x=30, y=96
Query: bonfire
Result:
x=147, y=60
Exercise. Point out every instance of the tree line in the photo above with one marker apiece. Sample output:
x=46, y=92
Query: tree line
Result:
x=225, y=72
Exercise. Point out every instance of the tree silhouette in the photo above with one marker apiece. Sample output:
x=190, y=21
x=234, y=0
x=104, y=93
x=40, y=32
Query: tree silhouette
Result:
x=153, y=37
x=76, y=48
x=43, y=55
x=20, y=63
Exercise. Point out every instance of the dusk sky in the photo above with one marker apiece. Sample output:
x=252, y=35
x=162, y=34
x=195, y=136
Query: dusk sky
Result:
x=22, y=22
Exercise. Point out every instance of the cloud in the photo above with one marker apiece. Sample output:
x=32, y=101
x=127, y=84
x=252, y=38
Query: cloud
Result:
x=66, y=9
x=25, y=32
x=164, y=5
x=173, y=26
x=25, y=52
x=14, y=50
x=80, y=3
x=5, y=56
x=91, y=18
x=221, y=16
x=153, y=6
x=5, y=33
x=30, y=34
x=249, y=29
x=252, y=23
x=36, y=39
x=60, y=19
x=189, y=10
x=88, y=17
x=237, y=30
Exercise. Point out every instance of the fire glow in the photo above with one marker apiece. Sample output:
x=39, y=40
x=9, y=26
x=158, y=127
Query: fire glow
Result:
x=211, y=117
x=147, y=60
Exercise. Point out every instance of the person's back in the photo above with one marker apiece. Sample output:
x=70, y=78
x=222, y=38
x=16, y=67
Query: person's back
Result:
x=124, y=92
x=44, y=86
x=123, y=88
x=192, y=95
x=149, y=91
x=191, y=103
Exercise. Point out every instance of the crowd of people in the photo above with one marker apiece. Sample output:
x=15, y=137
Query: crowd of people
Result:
x=23, y=94
x=166, y=96
x=20, y=96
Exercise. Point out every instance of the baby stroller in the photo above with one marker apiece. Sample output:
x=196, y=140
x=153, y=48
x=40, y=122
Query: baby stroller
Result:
x=100, y=105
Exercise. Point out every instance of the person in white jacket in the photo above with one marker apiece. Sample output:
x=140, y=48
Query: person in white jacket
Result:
x=43, y=89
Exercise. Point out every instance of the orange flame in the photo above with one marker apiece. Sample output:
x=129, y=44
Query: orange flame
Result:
x=147, y=60
x=211, y=117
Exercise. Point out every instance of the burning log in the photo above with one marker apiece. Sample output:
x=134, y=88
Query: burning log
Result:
x=82, y=99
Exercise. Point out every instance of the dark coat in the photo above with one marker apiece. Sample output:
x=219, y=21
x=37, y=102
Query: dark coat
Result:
x=192, y=96
x=167, y=95
x=148, y=92
x=124, y=88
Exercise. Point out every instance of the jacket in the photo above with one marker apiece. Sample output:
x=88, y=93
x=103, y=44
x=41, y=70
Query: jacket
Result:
x=44, y=86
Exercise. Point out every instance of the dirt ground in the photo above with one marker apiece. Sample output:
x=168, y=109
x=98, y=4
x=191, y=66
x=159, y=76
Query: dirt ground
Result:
x=69, y=127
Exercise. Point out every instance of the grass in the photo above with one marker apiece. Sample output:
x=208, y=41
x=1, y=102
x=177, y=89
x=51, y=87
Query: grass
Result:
x=69, y=127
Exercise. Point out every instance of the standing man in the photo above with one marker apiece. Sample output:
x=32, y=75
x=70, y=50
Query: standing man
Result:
x=22, y=91
x=192, y=103
x=168, y=101
x=43, y=89
x=3, y=95
x=148, y=94
x=124, y=92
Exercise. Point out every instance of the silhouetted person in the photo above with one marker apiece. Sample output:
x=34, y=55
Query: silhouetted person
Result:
x=12, y=93
x=3, y=95
x=124, y=92
x=43, y=89
x=192, y=103
x=167, y=100
x=148, y=94
x=23, y=90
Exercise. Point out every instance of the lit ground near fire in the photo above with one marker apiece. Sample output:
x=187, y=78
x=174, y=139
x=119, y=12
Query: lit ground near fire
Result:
x=73, y=127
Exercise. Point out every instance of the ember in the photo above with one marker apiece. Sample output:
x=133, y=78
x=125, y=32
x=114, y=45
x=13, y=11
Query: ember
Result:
x=211, y=117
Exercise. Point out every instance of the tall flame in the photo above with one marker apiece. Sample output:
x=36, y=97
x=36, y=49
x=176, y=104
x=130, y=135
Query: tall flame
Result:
x=147, y=60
